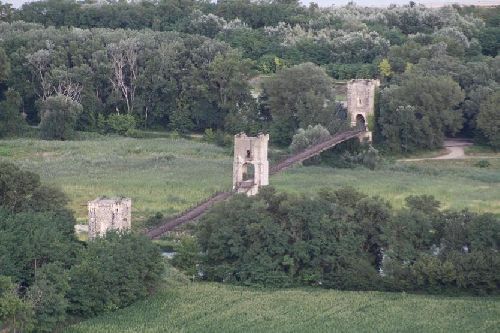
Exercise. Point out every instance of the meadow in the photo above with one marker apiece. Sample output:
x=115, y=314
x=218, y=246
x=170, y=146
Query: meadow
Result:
x=168, y=175
x=164, y=175
x=183, y=306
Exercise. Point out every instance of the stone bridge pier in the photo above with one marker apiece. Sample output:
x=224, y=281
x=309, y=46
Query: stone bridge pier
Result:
x=250, y=166
x=361, y=105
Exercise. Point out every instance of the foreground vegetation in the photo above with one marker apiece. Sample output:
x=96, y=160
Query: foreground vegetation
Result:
x=47, y=275
x=212, y=307
x=346, y=240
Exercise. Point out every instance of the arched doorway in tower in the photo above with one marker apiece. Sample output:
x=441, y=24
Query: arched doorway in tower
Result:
x=248, y=172
x=360, y=122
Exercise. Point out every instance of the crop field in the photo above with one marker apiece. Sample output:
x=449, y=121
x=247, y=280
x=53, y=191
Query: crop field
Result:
x=182, y=306
x=168, y=175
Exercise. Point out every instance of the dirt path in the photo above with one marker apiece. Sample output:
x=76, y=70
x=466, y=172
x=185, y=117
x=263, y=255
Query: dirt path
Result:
x=454, y=151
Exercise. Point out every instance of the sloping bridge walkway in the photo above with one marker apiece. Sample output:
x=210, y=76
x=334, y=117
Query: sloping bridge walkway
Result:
x=197, y=211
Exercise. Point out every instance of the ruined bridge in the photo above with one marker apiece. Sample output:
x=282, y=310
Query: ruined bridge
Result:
x=197, y=211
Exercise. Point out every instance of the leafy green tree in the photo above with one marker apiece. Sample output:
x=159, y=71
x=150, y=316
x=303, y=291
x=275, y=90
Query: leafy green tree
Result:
x=187, y=256
x=488, y=120
x=58, y=117
x=16, y=314
x=22, y=191
x=120, y=123
x=372, y=217
x=308, y=137
x=285, y=240
x=11, y=120
x=419, y=111
x=302, y=95
x=114, y=272
x=490, y=39
x=32, y=240
x=36, y=228
x=47, y=295
x=385, y=68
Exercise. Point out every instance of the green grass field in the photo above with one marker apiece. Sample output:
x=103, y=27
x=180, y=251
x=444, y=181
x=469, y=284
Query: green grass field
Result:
x=169, y=175
x=211, y=307
x=458, y=184
x=160, y=175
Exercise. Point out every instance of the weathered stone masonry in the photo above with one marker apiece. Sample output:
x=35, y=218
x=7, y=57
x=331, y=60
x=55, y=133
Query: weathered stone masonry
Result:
x=250, y=166
x=108, y=214
x=361, y=103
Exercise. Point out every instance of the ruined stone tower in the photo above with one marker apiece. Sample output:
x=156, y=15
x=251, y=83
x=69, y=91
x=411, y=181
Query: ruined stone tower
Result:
x=250, y=166
x=109, y=214
x=361, y=103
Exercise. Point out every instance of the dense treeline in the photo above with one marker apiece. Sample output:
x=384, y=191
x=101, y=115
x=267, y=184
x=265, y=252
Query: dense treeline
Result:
x=47, y=275
x=188, y=82
x=347, y=240
x=185, y=65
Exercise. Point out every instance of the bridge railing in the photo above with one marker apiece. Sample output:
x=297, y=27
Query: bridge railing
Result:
x=196, y=210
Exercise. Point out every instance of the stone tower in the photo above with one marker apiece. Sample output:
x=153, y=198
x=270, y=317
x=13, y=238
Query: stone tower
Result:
x=109, y=214
x=361, y=103
x=250, y=167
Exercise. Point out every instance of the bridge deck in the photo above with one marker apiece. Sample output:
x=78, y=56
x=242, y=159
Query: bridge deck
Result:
x=198, y=210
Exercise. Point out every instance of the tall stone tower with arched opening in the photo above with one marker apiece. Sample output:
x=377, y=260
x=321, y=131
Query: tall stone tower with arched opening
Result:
x=361, y=103
x=250, y=166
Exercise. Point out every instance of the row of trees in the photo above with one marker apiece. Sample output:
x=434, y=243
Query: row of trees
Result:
x=162, y=79
x=347, y=240
x=195, y=76
x=47, y=276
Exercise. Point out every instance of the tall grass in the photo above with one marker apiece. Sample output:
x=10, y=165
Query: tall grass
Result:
x=211, y=307
x=458, y=184
x=168, y=175
x=160, y=175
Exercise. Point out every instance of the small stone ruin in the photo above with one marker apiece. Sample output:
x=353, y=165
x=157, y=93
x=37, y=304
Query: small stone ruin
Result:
x=108, y=214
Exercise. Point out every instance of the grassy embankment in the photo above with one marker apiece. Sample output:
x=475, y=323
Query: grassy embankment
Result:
x=181, y=306
x=169, y=175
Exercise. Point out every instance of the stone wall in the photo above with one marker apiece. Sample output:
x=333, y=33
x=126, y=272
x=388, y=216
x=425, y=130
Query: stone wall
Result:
x=108, y=214
x=361, y=99
x=250, y=152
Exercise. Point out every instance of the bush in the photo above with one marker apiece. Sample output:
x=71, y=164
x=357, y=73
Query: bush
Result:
x=352, y=153
x=120, y=123
x=58, y=117
x=209, y=135
x=16, y=314
x=188, y=256
x=222, y=139
x=369, y=158
x=114, y=272
x=308, y=137
x=482, y=164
